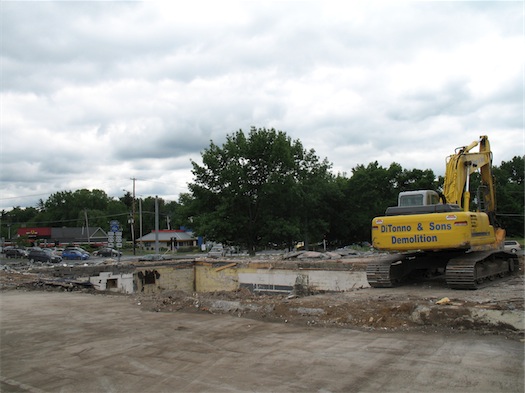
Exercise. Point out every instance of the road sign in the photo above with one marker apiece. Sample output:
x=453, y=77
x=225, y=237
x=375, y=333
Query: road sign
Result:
x=115, y=239
x=114, y=226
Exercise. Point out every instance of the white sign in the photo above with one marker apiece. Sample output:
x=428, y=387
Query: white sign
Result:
x=115, y=237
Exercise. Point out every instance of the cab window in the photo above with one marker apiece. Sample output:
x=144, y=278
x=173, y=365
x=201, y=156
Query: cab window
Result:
x=411, y=200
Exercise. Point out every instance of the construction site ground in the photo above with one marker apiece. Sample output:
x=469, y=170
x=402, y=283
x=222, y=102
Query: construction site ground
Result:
x=427, y=304
x=418, y=337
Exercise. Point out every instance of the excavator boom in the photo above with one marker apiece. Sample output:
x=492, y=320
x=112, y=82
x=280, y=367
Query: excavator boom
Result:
x=460, y=166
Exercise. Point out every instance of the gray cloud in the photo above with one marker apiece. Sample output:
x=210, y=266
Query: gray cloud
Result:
x=94, y=93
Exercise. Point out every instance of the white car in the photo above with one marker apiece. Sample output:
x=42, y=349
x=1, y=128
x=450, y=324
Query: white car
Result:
x=512, y=246
x=217, y=252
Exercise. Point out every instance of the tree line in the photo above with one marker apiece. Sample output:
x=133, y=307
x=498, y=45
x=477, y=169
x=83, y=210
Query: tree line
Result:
x=262, y=189
x=93, y=208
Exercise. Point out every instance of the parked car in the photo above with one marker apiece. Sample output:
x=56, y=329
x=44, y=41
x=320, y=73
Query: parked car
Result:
x=77, y=249
x=43, y=255
x=74, y=254
x=512, y=246
x=57, y=251
x=153, y=257
x=16, y=253
x=107, y=252
x=217, y=251
x=4, y=250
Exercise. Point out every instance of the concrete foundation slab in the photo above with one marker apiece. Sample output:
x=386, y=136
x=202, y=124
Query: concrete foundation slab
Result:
x=74, y=342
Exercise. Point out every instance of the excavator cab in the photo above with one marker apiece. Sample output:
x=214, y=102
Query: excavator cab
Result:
x=418, y=198
x=420, y=202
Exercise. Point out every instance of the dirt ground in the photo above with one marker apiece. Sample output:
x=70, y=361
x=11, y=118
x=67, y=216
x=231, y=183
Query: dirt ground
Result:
x=422, y=306
x=428, y=306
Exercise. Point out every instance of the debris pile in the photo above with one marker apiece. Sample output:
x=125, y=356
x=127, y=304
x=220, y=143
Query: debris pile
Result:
x=327, y=255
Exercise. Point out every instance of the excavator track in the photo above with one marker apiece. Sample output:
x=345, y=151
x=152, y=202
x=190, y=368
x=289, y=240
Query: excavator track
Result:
x=378, y=274
x=471, y=270
x=479, y=268
x=386, y=272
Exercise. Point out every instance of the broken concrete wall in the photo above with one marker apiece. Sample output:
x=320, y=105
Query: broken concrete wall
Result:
x=211, y=277
x=206, y=276
x=108, y=281
x=277, y=280
x=269, y=278
x=268, y=281
x=160, y=278
x=337, y=281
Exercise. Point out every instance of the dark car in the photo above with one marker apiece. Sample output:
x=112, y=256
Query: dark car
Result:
x=107, y=252
x=4, y=250
x=43, y=256
x=16, y=253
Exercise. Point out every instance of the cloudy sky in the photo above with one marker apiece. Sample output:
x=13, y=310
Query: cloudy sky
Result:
x=96, y=93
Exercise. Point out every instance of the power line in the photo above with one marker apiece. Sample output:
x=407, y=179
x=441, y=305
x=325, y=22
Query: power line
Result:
x=23, y=196
x=73, y=219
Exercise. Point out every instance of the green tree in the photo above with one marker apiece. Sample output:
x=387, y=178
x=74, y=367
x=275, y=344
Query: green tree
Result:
x=148, y=214
x=17, y=217
x=509, y=183
x=414, y=179
x=336, y=211
x=257, y=189
x=313, y=192
x=127, y=200
x=171, y=211
x=373, y=188
x=66, y=208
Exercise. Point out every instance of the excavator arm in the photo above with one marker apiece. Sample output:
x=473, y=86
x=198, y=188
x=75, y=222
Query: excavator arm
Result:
x=460, y=166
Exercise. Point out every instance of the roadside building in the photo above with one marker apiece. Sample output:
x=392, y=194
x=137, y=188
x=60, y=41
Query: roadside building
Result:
x=171, y=239
x=63, y=235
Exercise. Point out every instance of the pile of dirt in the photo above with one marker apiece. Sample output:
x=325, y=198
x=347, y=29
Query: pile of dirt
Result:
x=13, y=279
x=498, y=309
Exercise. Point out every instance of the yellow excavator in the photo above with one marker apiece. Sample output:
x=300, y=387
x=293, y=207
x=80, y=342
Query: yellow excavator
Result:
x=436, y=232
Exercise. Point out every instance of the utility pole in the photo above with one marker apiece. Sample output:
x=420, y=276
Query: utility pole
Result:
x=140, y=223
x=87, y=226
x=133, y=218
x=156, y=224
